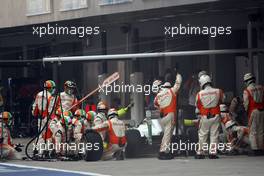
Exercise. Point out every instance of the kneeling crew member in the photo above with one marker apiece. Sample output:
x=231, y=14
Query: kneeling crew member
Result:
x=115, y=129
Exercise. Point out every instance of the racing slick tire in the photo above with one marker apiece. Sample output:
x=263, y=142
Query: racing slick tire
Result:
x=133, y=143
x=93, y=146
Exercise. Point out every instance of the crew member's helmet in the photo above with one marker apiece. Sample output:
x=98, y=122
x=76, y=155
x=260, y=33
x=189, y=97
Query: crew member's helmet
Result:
x=205, y=79
x=7, y=118
x=229, y=124
x=90, y=115
x=69, y=87
x=223, y=108
x=166, y=85
x=66, y=120
x=80, y=113
x=249, y=78
x=50, y=86
x=102, y=107
x=59, y=113
x=67, y=113
x=112, y=113
x=201, y=73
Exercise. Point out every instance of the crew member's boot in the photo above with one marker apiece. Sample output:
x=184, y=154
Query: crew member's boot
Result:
x=165, y=156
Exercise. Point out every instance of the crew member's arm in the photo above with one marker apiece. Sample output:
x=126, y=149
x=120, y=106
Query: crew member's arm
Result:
x=222, y=96
x=35, y=110
x=245, y=100
x=52, y=104
x=121, y=112
x=197, y=104
x=177, y=84
x=53, y=126
x=156, y=103
x=75, y=101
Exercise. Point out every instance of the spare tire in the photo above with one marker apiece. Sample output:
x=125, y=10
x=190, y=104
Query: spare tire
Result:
x=133, y=143
x=93, y=146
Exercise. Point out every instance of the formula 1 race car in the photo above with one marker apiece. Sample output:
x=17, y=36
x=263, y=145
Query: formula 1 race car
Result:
x=145, y=138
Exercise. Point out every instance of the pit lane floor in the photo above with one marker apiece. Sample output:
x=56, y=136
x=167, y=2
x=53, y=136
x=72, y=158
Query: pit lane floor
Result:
x=150, y=166
x=226, y=165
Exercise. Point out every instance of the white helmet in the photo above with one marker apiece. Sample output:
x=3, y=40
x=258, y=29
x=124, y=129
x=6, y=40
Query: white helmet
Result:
x=229, y=124
x=204, y=79
x=69, y=87
x=166, y=85
x=201, y=73
x=248, y=77
x=101, y=106
x=112, y=113
x=223, y=108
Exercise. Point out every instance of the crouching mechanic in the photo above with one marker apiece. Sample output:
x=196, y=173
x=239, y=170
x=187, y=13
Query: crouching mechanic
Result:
x=61, y=129
x=7, y=149
x=115, y=129
x=208, y=102
x=100, y=118
x=237, y=136
x=78, y=130
x=89, y=121
x=253, y=97
x=166, y=102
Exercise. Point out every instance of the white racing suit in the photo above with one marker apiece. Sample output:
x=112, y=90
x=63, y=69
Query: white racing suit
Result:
x=66, y=101
x=238, y=137
x=115, y=129
x=59, y=135
x=7, y=150
x=225, y=117
x=98, y=120
x=253, y=97
x=208, y=104
x=41, y=108
x=166, y=102
x=77, y=128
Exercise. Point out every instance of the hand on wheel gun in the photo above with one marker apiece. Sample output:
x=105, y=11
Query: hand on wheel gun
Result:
x=121, y=112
